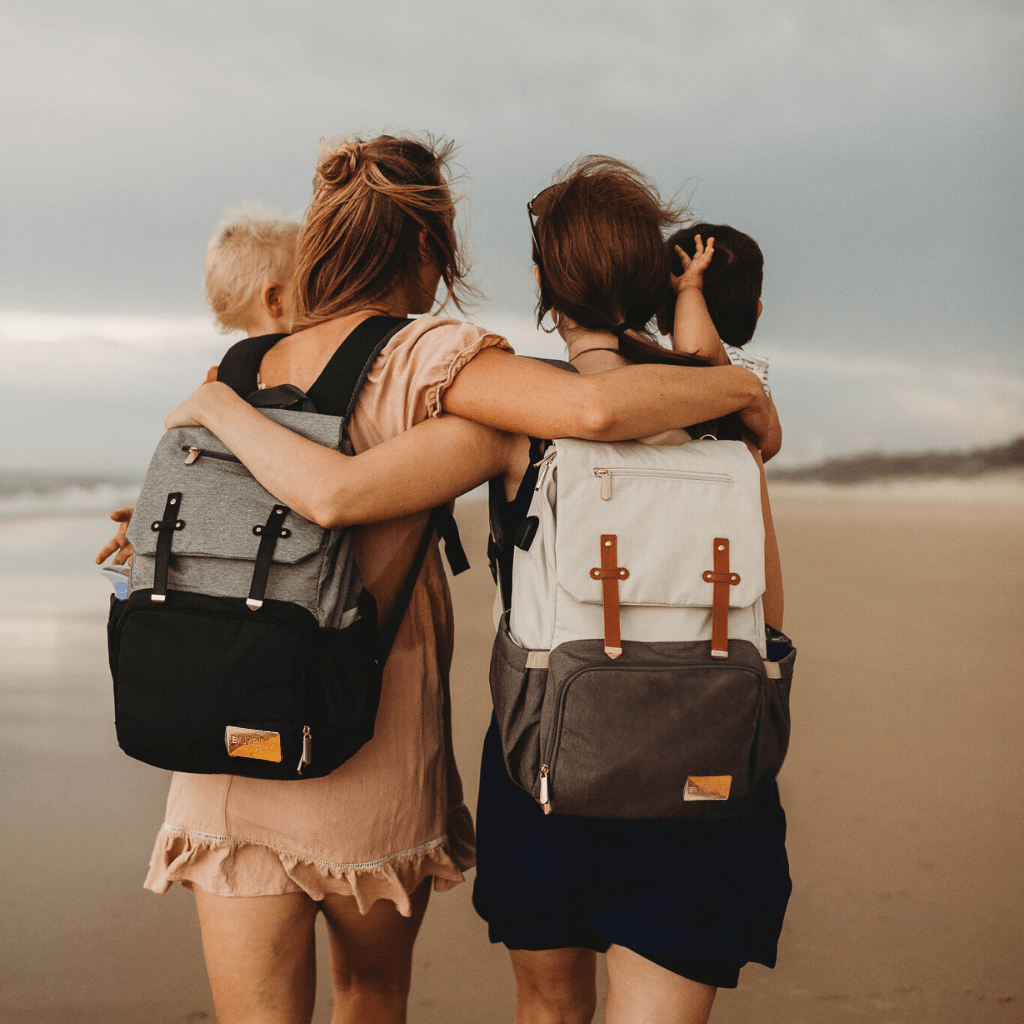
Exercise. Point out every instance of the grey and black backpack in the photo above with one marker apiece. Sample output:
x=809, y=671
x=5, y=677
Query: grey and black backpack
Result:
x=247, y=644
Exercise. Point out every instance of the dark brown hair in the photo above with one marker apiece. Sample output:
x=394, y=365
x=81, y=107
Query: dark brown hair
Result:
x=371, y=201
x=732, y=281
x=601, y=253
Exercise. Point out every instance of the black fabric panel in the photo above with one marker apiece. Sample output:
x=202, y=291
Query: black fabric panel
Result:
x=335, y=391
x=241, y=363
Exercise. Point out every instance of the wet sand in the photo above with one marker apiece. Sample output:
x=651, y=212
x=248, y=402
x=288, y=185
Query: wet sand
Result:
x=903, y=786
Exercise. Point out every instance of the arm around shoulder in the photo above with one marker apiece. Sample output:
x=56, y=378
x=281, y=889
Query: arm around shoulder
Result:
x=525, y=396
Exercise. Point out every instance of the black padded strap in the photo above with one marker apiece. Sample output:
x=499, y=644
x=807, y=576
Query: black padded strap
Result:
x=241, y=363
x=268, y=534
x=442, y=522
x=335, y=391
x=165, y=528
x=404, y=596
x=448, y=529
x=281, y=396
x=504, y=514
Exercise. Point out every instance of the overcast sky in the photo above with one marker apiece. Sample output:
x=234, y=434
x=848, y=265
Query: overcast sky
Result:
x=874, y=149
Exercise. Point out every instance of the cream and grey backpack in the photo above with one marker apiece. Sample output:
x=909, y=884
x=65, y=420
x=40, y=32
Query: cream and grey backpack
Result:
x=630, y=674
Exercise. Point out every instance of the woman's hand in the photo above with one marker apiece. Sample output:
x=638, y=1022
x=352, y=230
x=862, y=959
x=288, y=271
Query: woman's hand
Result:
x=119, y=543
x=194, y=410
x=693, y=268
x=760, y=418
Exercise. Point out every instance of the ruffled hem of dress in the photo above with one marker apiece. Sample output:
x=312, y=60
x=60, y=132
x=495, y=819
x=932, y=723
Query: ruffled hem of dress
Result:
x=227, y=866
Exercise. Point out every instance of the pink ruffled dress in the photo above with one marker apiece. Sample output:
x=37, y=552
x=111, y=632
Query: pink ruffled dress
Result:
x=393, y=814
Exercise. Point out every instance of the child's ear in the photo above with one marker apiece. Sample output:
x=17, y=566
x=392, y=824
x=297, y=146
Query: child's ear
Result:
x=270, y=296
x=536, y=274
x=759, y=308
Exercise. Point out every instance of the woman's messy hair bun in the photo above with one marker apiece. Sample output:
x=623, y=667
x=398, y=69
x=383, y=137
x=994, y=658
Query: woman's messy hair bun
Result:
x=336, y=165
x=379, y=207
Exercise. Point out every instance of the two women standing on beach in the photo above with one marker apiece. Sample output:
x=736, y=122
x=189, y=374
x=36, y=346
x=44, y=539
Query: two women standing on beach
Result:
x=365, y=844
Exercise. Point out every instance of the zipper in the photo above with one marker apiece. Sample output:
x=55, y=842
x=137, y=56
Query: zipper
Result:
x=194, y=453
x=307, y=749
x=544, y=465
x=605, y=476
x=545, y=800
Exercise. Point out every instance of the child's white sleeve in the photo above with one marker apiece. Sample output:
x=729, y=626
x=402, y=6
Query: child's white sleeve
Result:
x=756, y=364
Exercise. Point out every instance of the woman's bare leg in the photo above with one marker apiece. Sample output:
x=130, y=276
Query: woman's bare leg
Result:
x=260, y=956
x=641, y=992
x=371, y=957
x=555, y=986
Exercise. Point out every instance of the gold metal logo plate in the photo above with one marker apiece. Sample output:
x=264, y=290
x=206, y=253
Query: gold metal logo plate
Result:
x=708, y=787
x=264, y=746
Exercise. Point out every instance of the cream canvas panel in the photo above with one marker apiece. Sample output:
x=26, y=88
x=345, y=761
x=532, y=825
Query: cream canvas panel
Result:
x=666, y=505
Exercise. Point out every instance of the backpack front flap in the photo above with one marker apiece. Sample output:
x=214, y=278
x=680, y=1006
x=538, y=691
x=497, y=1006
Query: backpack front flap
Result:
x=664, y=508
x=224, y=513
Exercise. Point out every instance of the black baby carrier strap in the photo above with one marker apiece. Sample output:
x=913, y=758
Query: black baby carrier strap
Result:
x=335, y=393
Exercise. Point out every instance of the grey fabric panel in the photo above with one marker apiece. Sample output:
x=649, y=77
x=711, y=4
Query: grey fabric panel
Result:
x=213, y=524
x=773, y=741
x=221, y=503
x=518, y=695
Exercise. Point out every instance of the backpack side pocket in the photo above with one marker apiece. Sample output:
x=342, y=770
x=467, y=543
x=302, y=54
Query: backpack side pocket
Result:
x=518, y=694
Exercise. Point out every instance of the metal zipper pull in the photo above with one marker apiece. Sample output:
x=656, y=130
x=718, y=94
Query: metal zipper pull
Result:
x=545, y=801
x=543, y=465
x=606, y=483
x=193, y=454
x=307, y=749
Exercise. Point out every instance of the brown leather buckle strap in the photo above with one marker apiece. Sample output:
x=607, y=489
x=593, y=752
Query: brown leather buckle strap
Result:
x=723, y=580
x=609, y=574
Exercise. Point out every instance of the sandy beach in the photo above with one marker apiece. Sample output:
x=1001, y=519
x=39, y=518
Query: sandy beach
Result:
x=902, y=787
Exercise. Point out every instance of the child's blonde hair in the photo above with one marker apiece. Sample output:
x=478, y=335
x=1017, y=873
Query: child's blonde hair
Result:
x=248, y=249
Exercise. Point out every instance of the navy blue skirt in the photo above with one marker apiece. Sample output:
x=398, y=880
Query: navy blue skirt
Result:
x=701, y=898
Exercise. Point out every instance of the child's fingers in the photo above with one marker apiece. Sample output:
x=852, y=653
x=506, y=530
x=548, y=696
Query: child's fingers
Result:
x=686, y=260
x=124, y=555
x=702, y=257
x=112, y=545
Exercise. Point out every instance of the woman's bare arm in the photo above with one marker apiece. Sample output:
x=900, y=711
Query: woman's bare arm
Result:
x=431, y=463
x=525, y=396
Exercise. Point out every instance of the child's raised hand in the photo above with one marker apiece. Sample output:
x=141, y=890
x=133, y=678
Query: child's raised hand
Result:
x=693, y=267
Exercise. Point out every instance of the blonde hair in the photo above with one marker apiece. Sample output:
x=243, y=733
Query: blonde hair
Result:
x=248, y=249
x=372, y=200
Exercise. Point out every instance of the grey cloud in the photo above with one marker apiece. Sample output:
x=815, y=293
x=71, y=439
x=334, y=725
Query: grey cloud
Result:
x=873, y=149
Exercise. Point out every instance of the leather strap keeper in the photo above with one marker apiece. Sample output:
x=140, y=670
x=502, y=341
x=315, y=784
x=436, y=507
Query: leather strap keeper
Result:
x=722, y=580
x=609, y=574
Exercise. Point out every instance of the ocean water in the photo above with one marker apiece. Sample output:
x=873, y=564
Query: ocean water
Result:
x=33, y=495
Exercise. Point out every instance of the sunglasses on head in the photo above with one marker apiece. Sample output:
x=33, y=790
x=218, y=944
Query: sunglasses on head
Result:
x=538, y=206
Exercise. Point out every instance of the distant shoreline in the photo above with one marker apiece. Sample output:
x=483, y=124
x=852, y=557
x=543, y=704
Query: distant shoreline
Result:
x=1000, y=487
x=875, y=466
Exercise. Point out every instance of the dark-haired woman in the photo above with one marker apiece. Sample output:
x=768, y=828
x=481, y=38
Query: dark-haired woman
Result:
x=362, y=845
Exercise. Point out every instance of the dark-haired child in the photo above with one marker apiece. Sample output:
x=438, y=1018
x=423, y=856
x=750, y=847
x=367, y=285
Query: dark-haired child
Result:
x=717, y=301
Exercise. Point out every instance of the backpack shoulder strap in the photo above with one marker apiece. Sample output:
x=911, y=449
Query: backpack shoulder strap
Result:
x=241, y=363
x=499, y=543
x=335, y=391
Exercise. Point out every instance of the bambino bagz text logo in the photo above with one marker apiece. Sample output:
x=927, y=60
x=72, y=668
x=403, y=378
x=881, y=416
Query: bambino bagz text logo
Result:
x=264, y=746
